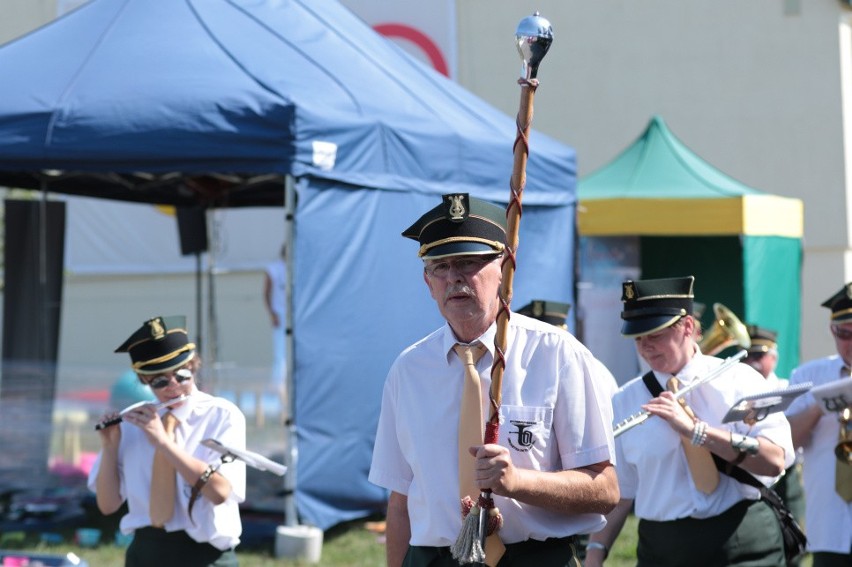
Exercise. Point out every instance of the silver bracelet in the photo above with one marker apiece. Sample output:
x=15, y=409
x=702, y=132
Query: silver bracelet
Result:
x=699, y=433
x=696, y=432
x=745, y=444
x=205, y=476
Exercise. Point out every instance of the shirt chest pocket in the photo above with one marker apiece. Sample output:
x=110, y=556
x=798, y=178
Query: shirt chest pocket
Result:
x=526, y=431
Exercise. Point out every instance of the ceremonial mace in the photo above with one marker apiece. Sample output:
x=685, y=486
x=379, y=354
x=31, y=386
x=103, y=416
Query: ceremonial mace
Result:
x=532, y=38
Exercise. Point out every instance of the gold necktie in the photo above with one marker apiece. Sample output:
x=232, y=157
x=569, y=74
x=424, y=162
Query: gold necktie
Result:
x=705, y=475
x=163, y=481
x=472, y=432
x=471, y=421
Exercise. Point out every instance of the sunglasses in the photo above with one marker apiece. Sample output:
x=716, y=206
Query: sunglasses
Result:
x=841, y=334
x=161, y=381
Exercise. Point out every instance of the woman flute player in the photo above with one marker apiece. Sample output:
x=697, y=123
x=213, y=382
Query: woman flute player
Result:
x=182, y=508
x=689, y=512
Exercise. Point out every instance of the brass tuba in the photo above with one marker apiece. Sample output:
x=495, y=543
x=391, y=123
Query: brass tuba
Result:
x=726, y=331
x=843, y=450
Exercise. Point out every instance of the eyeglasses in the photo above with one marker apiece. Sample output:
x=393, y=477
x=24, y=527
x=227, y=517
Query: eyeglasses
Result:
x=465, y=266
x=841, y=334
x=162, y=380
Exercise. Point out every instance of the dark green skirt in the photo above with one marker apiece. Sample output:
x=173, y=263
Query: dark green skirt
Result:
x=745, y=535
x=155, y=547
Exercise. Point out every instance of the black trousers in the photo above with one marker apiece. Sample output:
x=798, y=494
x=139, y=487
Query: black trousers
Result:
x=745, y=535
x=826, y=559
x=552, y=552
x=155, y=547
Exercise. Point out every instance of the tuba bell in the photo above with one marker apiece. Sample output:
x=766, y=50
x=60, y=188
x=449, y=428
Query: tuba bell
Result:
x=843, y=450
x=726, y=331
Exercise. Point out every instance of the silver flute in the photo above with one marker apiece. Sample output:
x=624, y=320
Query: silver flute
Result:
x=640, y=417
x=118, y=419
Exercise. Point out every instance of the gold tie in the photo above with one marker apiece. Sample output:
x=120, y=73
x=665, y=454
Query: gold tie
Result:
x=163, y=480
x=471, y=422
x=472, y=432
x=705, y=475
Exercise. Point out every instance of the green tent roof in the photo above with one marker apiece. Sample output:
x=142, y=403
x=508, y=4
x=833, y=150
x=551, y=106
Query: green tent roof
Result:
x=647, y=188
x=657, y=165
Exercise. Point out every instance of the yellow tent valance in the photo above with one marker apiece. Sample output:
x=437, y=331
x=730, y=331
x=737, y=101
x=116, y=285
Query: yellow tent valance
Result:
x=756, y=215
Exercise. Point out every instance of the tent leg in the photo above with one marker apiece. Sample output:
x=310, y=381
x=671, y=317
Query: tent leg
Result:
x=292, y=539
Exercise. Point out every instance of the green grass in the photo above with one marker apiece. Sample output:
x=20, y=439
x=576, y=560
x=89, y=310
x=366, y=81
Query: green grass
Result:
x=347, y=545
x=623, y=552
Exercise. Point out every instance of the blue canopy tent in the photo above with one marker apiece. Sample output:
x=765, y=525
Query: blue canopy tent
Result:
x=217, y=102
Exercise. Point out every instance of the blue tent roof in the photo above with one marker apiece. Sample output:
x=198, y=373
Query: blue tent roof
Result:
x=144, y=100
x=248, y=87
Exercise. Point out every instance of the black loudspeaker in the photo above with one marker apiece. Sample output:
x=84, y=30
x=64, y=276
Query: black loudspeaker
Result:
x=32, y=305
x=192, y=227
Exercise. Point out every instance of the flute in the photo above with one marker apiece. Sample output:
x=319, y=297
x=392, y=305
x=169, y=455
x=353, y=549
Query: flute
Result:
x=642, y=416
x=119, y=418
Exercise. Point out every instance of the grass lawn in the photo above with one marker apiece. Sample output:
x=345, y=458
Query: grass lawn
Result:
x=347, y=545
x=350, y=545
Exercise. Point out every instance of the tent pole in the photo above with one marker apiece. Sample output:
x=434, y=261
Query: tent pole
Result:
x=292, y=539
x=42, y=273
x=292, y=453
x=212, y=320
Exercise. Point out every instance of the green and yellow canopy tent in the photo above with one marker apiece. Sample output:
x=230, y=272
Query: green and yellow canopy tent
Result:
x=742, y=245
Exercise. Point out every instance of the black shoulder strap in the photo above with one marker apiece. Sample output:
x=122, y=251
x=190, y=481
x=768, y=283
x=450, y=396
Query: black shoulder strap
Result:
x=652, y=384
x=739, y=474
x=735, y=472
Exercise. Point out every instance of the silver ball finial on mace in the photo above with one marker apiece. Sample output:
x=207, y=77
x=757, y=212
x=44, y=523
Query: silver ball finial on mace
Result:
x=533, y=38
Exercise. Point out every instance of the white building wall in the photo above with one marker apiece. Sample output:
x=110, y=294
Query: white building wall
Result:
x=20, y=16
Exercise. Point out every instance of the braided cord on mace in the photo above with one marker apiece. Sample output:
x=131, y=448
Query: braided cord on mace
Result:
x=533, y=38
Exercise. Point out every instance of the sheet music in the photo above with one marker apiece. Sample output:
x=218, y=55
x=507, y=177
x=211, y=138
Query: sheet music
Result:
x=757, y=406
x=251, y=458
x=834, y=396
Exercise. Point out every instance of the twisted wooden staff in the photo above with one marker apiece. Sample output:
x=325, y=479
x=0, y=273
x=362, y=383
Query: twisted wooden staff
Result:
x=533, y=38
